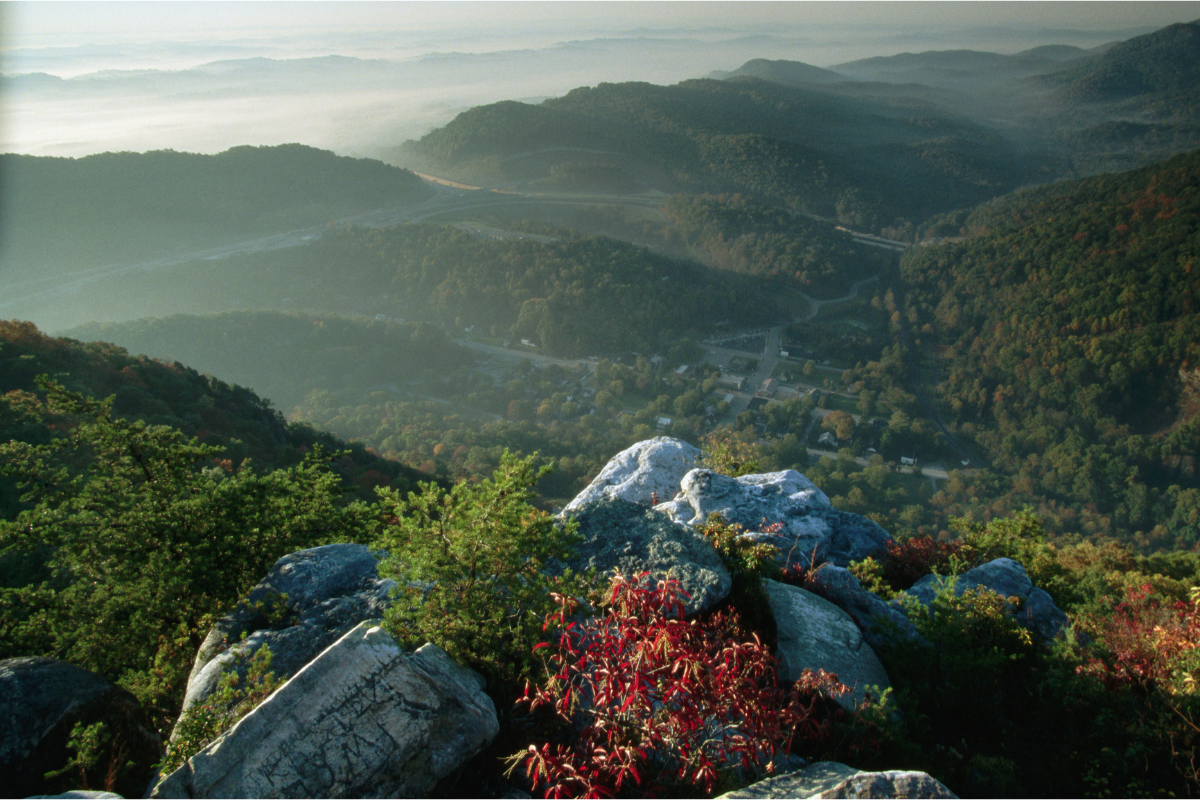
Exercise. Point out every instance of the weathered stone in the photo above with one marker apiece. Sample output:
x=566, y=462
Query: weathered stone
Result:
x=1007, y=578
x=807, y=526
x=1045, y=620
x=631, y=539
x=881, y=624
x=893, y=783
x=364, y=719
x=328, y=591
x=41, y=700
x=829, y=779
x=814, y=634
x=638, y=473
x=804, y=782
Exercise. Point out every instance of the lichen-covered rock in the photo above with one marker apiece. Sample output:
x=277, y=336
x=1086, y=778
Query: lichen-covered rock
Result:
x=832, y=779
x=639, y=474
x=1007, y=578
x=365, y=719
x=328, y=591
x=813, y=633
x=881, y=624
x=893, y=783
x=41, y=700
x=630, y=539
x=804, y=524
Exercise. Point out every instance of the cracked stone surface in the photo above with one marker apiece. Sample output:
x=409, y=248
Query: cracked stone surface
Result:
x=329, y=590
x=365, y=719
x=636, y=473
x=815, y=634
x=808, y=524
x=830, y=779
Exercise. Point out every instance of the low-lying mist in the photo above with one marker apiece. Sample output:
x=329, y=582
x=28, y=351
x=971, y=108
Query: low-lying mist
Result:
x=364, y=96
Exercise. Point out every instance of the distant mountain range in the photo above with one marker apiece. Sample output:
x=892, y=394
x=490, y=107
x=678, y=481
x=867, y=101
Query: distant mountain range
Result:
x=864, y=161
x=871, y=143
x=789, y=73
x=1116, y=106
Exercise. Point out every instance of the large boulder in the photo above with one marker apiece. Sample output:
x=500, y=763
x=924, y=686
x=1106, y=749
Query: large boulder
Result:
x=812, y=633
x=306, y=602
x=365, y=719
x=630, y=539
x=784, y=509
x=881, y=624
x=1008, y=578
x=833, y=779
x=41, y=700
x=641, y=473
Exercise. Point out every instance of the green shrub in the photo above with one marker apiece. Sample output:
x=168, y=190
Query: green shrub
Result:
x=471, y=567
x=748, y=562
x=729, y=453
x=201, y=724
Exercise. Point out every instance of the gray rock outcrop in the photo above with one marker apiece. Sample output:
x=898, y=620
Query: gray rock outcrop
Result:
x=1008, y=578
x=328, y=591
x=881, y=623
x=365, y=719
x=638, y=473
x=892, y=783
x=41, y=700
x=813, y=633
x=808, y=526
x=829, y=779
x=631, y=539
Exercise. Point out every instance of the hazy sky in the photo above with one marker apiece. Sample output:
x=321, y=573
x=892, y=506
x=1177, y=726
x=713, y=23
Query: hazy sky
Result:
x=42, y=23
x=140, y=76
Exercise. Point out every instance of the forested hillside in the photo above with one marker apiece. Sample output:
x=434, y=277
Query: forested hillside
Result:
x=1159, y=70
x=165, y=393
x=87, y=212
x=865, y=162
x=284, y=356
x=572, y=295
x=1070, y=319
x=736, y=233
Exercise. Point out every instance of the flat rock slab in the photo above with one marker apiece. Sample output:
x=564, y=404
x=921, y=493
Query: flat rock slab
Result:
x=365, y=719
x=829, y=779
x=329, y=590
x=630, y=539
x=813, y=634
x=805, y=782
x=893, y=783
x=41, y=700
x=639, y=474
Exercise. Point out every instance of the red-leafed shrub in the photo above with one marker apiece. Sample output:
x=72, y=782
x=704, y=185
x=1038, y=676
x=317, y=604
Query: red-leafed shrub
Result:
x=655, y=702
x=908, y=561
x=1149, y=644
x=1148, y=659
